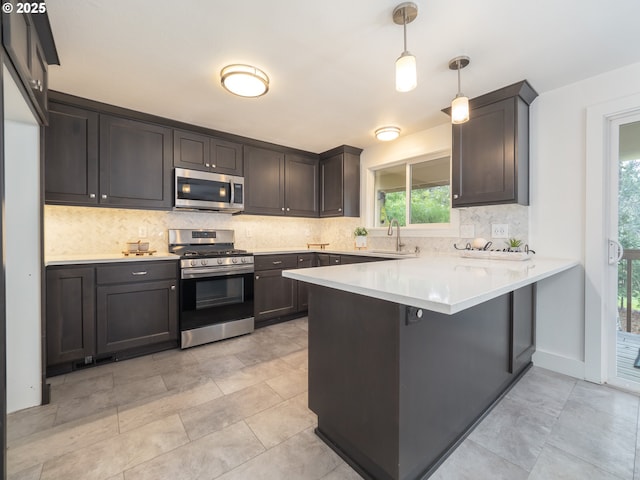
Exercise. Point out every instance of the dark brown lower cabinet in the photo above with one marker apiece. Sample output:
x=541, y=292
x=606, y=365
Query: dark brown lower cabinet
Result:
x=135, y=315
x=274, y=296
x=105, y=312
x=70, y=314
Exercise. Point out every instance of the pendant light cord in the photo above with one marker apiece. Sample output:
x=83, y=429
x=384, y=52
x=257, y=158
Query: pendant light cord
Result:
x=404, y=24
x=459, y=89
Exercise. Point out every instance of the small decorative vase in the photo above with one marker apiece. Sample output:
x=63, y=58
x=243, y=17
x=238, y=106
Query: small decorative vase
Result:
x=361, y=241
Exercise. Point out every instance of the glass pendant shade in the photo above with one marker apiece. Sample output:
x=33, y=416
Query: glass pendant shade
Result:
x=406, y=76
x=460, y=109
x=244, y=80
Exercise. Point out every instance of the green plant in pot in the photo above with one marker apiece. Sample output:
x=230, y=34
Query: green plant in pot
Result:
x=514, y=244
x=361, y=237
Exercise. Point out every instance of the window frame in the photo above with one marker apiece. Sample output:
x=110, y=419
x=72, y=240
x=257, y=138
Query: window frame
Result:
x=451, y=229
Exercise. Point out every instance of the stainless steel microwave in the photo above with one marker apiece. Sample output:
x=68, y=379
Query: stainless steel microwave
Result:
x=208, y=191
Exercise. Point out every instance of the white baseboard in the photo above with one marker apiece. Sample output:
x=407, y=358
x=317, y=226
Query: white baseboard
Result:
x=557, y=363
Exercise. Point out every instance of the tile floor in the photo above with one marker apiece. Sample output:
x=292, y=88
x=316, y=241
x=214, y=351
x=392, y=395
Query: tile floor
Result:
x=237, y=410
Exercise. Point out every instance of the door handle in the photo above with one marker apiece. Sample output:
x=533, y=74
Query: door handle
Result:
x=615, y=252
x=139, y=273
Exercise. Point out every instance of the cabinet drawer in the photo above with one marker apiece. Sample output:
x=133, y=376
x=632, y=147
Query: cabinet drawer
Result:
x=136, y=272
x=270, y=262
x=306, y=260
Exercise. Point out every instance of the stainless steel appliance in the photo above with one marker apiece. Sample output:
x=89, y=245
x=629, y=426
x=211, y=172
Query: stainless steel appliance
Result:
x=208, y=191
x=216, y=286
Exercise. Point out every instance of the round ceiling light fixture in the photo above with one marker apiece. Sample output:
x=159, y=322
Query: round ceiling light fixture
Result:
x=244, y=80
x=386, y=134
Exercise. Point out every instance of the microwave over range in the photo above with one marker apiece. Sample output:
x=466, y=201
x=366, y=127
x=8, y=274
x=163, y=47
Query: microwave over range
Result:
x=198, y=190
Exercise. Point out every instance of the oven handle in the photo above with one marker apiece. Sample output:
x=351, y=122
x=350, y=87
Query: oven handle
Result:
x=217, y=272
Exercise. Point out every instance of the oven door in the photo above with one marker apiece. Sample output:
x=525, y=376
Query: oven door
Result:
x=214, y=300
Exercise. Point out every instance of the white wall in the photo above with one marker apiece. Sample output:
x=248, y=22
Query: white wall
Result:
x=557, y=214
x=22, y=251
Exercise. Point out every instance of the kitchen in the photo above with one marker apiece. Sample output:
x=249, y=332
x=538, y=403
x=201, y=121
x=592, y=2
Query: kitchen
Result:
x=554, y=223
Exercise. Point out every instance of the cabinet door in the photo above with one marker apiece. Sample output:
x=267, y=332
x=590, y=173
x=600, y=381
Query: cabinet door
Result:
x=135, y=315
x=71, y=145
x=39, y=78
x=226, y=157
x=135, y=164
x=70, y=320
x=305, y=260
x=191, y=150
x=274, y=295
x=483, y=156
x=522, y=327
x=331, y=185
x=301, y=186
x=263, y=181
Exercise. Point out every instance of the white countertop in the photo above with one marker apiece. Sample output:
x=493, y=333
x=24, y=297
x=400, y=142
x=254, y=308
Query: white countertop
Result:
x=84, y=258
x=440, y=283
x=363, y=253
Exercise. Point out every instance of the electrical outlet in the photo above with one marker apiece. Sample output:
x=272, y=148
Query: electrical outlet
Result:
x=247, y=232
x=142, y=232
x=499, y=230
x=467, y=230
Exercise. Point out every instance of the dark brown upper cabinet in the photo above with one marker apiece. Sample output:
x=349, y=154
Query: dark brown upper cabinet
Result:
x=279, y=184
x=116, y=162
x=135, y=164
x=24, y=46
x=71, y=145
x=340, y=182
x=205, y=153
x=490, y=152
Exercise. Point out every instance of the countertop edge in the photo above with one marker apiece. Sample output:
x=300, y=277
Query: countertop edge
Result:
x=306, y=275
x=60, y=260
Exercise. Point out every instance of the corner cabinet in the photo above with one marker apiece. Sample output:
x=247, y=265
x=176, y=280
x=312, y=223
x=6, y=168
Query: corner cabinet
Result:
x=340, y=182
x=490, y=152
x=280, y=184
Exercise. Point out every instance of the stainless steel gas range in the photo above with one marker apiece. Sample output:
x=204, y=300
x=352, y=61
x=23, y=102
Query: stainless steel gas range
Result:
x=216, y=286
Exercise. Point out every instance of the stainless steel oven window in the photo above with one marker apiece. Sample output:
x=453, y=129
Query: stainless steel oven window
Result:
x=219, y=291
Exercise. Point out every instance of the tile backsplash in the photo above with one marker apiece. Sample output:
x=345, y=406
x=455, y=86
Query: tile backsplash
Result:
x=90, y=230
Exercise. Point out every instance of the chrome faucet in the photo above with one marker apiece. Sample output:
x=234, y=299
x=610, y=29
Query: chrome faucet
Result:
x=399, y=245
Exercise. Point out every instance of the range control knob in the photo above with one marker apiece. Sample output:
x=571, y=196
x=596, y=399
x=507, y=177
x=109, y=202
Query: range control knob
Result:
x=219, y=261
x=193, y=263
x=234, y=260
x=243, y=260
x=203, y=262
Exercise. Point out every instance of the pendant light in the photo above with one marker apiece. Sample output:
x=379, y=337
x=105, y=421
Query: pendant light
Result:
x=406, y=76
x=244, y=80
x=460, y=104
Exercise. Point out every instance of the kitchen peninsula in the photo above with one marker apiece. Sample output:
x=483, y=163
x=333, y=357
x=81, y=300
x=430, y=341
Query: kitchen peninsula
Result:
x=405, y=356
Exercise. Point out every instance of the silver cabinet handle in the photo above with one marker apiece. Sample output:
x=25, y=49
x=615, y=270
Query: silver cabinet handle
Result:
x=282, y=209
x=301, y=259
x=277, y=263
x=139, y=273
x=455, y=195
x=36, y=85
x=288, y=209
x=92, y=195
x=173, y=287
x=257, y=277
x=213, y=165
x=340, y=209
x=207, y=165
x=104, y=196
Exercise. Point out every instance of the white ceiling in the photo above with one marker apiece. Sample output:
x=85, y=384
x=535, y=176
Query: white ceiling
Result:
x=331, y=62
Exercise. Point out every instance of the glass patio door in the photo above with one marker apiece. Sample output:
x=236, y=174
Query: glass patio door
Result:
x=624, y=248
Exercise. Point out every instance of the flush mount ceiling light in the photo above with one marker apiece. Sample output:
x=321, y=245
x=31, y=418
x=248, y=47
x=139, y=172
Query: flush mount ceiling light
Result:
x=386, y=134
x=244, y=80
x=460, y=104
x=406, y=76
